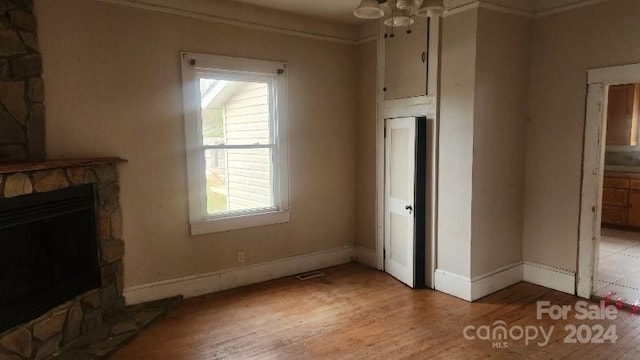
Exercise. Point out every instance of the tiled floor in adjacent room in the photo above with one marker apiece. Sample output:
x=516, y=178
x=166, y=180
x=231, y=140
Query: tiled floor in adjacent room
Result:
x=619, y=265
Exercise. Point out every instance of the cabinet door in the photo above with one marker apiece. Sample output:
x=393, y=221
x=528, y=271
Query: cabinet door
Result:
x=614, y=215
x=405, y=61
x=616, y=182
x=615, y=196
x=622, y=115
x=633, y=215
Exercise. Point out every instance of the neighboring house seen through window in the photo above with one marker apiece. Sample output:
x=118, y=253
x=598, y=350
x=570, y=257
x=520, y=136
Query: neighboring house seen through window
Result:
x=235, y=123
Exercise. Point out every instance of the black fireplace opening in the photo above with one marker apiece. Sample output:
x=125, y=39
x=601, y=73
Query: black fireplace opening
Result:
x=48, y=252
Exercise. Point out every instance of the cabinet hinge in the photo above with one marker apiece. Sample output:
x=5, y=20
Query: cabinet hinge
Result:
x=384, y=253
x=385, y=132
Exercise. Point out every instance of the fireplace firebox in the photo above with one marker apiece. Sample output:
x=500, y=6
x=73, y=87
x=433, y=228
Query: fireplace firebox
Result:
x=48, y=251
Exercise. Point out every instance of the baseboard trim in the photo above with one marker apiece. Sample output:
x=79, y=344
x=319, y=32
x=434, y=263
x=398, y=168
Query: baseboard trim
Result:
x=366, y=256
x=472, y=289
x=453, y=284
x=496, y=280
x=469, y=289
x=212, y=282
x=550, y=277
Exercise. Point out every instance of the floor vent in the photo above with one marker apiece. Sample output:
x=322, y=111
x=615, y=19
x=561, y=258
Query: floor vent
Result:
x=310, y=275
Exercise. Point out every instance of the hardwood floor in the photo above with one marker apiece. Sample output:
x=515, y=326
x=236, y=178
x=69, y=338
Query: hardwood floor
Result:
x=358, y=313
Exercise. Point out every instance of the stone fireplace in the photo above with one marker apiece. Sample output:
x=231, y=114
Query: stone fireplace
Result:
x=21, y=88
x=65, y=322
x=53, y=323
x=90, y=319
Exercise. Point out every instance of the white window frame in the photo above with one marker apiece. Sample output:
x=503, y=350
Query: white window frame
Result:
x=275, y=74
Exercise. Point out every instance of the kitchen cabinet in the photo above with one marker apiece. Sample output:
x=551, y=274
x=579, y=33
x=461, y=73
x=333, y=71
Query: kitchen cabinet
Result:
x=621, y=199
x=405, y=73
x=623, y=110
x=633, y=210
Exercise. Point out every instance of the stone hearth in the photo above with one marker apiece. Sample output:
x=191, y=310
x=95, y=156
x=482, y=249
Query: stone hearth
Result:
x=62, y=325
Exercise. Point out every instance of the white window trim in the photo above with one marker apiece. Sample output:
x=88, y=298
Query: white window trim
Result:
x=200, y=221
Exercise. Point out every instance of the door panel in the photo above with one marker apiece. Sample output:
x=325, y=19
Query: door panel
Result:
x=399, y=198
x=405, y=61
x=399, y=228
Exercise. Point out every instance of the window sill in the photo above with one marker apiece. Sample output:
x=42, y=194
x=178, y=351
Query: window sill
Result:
x=239, y=222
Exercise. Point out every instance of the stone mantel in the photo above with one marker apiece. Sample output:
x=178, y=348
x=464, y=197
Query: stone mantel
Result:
x=11, y=168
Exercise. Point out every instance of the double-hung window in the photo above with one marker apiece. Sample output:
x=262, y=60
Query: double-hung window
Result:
x=236, y=139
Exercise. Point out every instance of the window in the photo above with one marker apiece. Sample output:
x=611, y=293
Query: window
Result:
x=235, y=126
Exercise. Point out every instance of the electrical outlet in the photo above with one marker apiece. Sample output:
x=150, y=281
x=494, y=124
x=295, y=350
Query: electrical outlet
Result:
x=240, y=257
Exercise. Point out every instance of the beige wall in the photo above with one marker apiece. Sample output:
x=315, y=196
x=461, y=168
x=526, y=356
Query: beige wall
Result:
x=458, y=74
x=113, y=88
x=565, y=46
x=366, y=146
x=112, y=79
x=484, y=92
x=501, y=109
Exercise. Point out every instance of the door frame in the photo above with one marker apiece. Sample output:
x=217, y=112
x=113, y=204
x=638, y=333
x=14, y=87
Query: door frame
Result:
x=594, y=144
x=421, y=106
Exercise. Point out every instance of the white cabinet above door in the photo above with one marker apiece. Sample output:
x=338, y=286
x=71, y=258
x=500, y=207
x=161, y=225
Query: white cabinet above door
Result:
x=405, y=60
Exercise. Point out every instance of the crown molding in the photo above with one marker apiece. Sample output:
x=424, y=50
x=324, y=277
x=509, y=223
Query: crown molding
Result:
x=477, y=4
x=549, y=7
x=264, y=19
x=513, y=7
x=525, y=8
x=249, y=16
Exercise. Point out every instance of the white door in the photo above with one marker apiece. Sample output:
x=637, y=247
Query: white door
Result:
x=399, y=198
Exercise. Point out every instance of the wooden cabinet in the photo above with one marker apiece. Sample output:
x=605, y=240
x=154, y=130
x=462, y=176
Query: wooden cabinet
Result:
x=615, y=200
x=616, y=182
x=622, y=114
x=621, y=200
x=405, y=73
x=615, y=196
x=633, y=211
x=616, y=215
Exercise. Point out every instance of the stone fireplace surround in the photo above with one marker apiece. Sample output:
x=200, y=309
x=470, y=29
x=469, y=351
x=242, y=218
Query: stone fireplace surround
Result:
x=60, y=326
x=95, y=323
x=22, y=112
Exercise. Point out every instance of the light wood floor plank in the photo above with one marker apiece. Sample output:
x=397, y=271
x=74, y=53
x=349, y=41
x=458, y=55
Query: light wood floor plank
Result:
x=358, y=313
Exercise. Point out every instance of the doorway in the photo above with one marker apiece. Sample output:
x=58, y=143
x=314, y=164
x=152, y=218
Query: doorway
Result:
x=609, y=233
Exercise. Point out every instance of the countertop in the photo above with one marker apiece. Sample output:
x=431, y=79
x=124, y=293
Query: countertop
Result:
x=622, y=169
x=625, y=174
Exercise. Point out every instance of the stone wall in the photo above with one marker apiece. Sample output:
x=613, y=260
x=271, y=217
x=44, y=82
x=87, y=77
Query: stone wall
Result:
x=21, y=88
x=59, y=327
